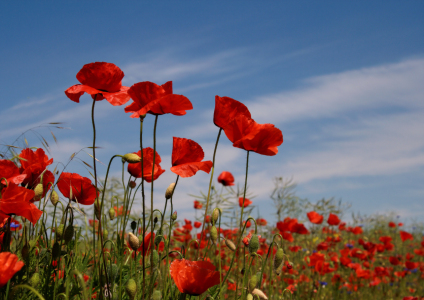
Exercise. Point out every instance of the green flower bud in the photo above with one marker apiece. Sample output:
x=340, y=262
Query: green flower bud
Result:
x=112, y=213
x=59, y=232
x=215, y=215
x=38, y=191
x=131, y=288
x=157, y=295
x=174, y=216
x=155, y=258
x=54, y=198
x=169, y=191
x=253, y=282
x=133, y=241
x=214, y=234
x=132, y=158
x=69, y=234
x=278, y=260
x=254, y=243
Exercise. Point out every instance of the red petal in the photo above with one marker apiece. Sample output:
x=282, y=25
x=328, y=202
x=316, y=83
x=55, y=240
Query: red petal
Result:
x=190, y=169
x=76, y=91
x=102, y=76
x=118, y=98
x=185, y=151
x=226, y=109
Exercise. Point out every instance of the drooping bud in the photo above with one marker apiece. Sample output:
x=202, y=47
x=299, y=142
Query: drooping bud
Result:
x=54, y=197
x=157, y=295
x=215, y=215
x=169, y=191
x=131, y=288
x=56, y=250
x=132, y=184
x=254, y=243
x=59, y=231
x=155, y=258
x=278, y=260
x=38, y=191
x=260, y=294
x=174, y=216
x=253, y=282
x=112, y=213
x=133, y=225
x=133, y=241
x=69, y=234
x=230, y=245
x=155, y=220
x=214, y=234
x=97, y=209
x=105, y=234
x=34, y=280
x=25, y=251
x=132, y=158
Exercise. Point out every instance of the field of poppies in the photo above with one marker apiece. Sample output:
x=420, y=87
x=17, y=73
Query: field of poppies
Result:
x=70, y=236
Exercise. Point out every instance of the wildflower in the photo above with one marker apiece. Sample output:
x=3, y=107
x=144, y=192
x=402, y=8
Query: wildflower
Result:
x=226, y=178
x=315, y=217
x=226, y=109
x=10, y=172
x=247, y=202
x=405, y=236
x=261, y=222
x=197, y=224
x=101, y=80
x=193, y=277
x=186, y=158
x=135, y=168
x=333, y=219
x=77, y=188
x=156, y=99
x=197, y=205
x=9, y=265
x=33, y=164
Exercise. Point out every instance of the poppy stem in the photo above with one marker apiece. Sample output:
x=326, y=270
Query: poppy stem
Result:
x=151, y=200
x=144, y=205
x=209, y=191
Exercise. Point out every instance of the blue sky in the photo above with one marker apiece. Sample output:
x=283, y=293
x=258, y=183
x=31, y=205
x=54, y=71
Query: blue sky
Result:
x=342, y=80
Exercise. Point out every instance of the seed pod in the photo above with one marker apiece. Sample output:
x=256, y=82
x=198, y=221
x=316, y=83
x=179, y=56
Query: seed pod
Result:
x=133, y=241
x=131, y=288
x=278, y=260
x=56, y=250
x=132, y=158
x=214, y=234
x=34, y=280
x=54, y=198
x=157, y=295
x=254, y=243
x=132, y=184
x=174, y=216
x=69, y=234
x=230, y=245
x=215, y=215
x=169, y=191
x=112, y=213
x=260, y=294
x=38, y=191
x=155, y=258
x=25, y=251
x=253, y=282
x=59, y=232
x=133, y=225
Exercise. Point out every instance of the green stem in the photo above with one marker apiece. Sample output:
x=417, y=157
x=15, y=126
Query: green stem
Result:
x=144, y=204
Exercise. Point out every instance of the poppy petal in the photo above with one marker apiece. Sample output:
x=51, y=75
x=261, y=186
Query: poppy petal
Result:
x=118, y=98
x=190, y=169
x=101, y=76
x=76, y=91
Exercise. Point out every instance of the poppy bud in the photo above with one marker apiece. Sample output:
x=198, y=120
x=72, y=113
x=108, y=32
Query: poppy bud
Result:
x=242, y=271
x=169, y=191
x=69, y=234
x=158, y=237
x=253, y=282
x=157, y=295
x=278, y=260
x=249, y=297
x=214, y=234
x=56, y=250
x=254, y=243
x=25, y=251
x=155, y=258
x=230, y=245
x=34, y=280
x=112, y=214
x=155, y=220
x=97, y=209
x=133, y=241
x=131, y=288
x=54, y=198
x=38, y=191
x=105, y=234
x=215, y=215
x=133, y=225
x=174, y=216
x=59, y=231
x=132, y=158
x=132, y=184
x=260, y=294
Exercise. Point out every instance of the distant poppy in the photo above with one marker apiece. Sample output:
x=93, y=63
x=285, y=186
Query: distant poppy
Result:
x=33, y=163
x=187, y=158
x=315, y=217
x=197, y=205
x=226, y=178
x=101, y=80
x=10, y=172
x=135, y=168
x=246, y=134
x=357, y=230
x=194, y=277
x=197, y=224
x=333, y=219
x=261, y=222
x=392, y=224
x=147, y=239
x=226, y=109
x=156, y=99
x=247, y=202
x=405, y=236
x=77, y=188
x=16, y=200
x=9, y=266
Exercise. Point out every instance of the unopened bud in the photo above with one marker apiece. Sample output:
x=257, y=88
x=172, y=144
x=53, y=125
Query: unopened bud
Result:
x=169, y=191
x=132, y=158
x=215, y=215
x=54, y=198
x=155, y=258
x=38, y=191
x=132, y=184
x=260, y=294
x=249, y=297
x=112, y=214
x=133, y=225
x=105, y=234
x=254, y=243
x=155, y=220
x=253, y=282
x=131, y=288
x=97, y=209
x=133, y=241
x=59, y=231
x=157, y=295
x=34, y=280
x=289, y=265
x=214, y=234
x=230, y=245
x=278, y=260
x=174, y=216
x=69, y=234
x=56, y=250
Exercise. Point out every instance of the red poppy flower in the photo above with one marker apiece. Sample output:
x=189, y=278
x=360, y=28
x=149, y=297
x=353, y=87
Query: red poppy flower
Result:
x=226, y=109
x=226, y=178
x=197, y=205
x=197, y=224
x=246, y=134
x=186, y=158
x=405, y=236
x=156, y=99
x=315, y=217
x=102, y=79
x=261, y=222
x=135, y=168
x=193, y=277
x=16, y=200
x=10, y=171
x=392, y=224
x=333, y=219
x=247, y=202
x=33, y=163
x=9, y=265
x=83, y=191
x=147, y=239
